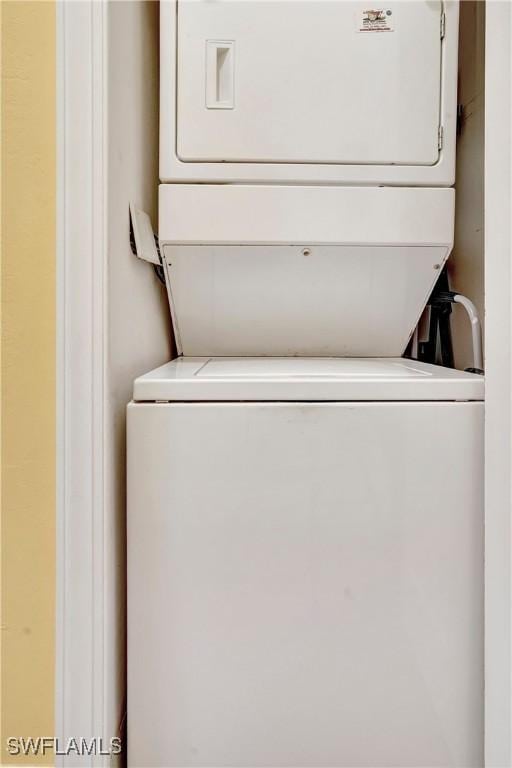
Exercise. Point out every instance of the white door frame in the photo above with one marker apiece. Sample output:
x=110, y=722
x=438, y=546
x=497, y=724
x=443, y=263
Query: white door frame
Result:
x=498, y=366
x=82, y=678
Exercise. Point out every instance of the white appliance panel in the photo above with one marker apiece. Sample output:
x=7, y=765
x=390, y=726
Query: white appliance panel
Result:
x=291, y=82
x=316, y=379
x=258, y=214
x=306, y=300
x=295, y=92
x=275, y=270
x=305, y=584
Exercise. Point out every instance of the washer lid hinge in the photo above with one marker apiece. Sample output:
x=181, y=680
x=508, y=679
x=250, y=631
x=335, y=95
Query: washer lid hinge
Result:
x=143, y=241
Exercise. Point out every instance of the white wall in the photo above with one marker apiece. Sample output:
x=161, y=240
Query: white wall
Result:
x=137, y=313
x=466, y=264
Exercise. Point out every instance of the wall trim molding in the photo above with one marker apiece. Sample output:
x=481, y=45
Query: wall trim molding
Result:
x=81, y=326
x=498, y=366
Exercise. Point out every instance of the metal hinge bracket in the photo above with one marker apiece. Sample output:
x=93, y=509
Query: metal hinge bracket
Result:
x=443, y=25
x=143, y=241
x=440, y=137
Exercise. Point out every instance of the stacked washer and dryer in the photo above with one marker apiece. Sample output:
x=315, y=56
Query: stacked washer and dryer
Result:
x=305, y=505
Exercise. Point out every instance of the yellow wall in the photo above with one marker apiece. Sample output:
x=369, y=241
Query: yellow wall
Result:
x=28, y=371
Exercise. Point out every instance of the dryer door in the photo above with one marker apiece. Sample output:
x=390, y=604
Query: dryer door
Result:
x=318, y=81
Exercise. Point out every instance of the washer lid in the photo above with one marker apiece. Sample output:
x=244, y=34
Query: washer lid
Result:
x=296, y=379
x=301, y=271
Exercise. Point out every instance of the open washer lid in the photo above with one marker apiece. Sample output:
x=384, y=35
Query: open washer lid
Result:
x=282, y=271
x=304, y=379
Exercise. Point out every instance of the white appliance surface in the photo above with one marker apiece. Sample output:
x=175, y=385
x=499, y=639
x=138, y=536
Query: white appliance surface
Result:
x=335, y=94
x=337, y=379
x=308, y=91
x=305, y=579
x=299, y=300
x=255, y=270
x=256, y=214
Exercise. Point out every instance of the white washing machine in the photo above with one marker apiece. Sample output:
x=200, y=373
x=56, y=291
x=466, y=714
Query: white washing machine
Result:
x=305, y=506
x=305, y=564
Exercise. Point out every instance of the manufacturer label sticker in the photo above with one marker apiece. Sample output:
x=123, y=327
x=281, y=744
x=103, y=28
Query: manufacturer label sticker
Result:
x=375, y=20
